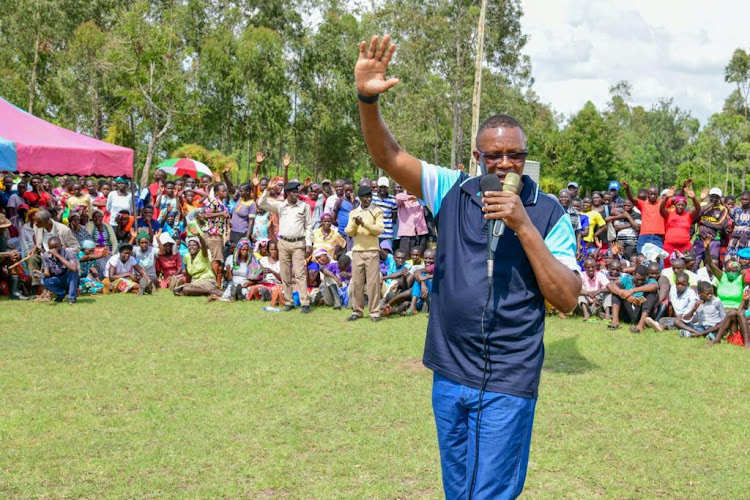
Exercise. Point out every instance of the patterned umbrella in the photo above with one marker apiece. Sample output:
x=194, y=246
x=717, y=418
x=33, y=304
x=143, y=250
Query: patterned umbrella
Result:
x=184, y=166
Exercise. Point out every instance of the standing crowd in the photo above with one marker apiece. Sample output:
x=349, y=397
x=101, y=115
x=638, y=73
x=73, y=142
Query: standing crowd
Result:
x=289, y=243
x=663, y=259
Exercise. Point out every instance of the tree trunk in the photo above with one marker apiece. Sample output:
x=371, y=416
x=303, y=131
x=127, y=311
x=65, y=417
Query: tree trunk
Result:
x=437, y=141
x=35, y=64
x=477, y=97
x=156, y=134
x=726, y=179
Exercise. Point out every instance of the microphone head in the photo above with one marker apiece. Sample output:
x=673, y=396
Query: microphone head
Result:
x=490, y=182
x=512, y=182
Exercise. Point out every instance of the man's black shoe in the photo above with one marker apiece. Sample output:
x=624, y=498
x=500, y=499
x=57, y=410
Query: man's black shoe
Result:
x=353, y=317
x=288, y=308
x=306, y=310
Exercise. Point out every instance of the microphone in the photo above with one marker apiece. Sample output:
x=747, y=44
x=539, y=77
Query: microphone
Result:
x=496, y=228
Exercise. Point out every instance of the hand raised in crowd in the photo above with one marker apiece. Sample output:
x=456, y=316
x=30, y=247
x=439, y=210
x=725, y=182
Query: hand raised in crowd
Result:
x=689, y=193
x=255, y=180
x=624, y=185
x=704, y=193
x=615, y=248
x=271, y=184
x=688, y=182
x=259, y=157
x=670, y=191
x=287, y=161
x=226, y=169
x=369, y=72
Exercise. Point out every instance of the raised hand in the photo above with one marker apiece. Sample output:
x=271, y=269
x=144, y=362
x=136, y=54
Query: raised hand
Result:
x=259, y=157
x=287, y=161
x=624, y=185
x=256, y=180
x=670, y=192
x=689, y=193
x=369, y=73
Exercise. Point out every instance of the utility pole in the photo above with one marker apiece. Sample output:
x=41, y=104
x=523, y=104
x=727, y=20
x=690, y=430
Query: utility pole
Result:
x=475, y=102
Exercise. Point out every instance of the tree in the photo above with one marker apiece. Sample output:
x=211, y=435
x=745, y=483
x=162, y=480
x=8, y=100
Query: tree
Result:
x=738, y=72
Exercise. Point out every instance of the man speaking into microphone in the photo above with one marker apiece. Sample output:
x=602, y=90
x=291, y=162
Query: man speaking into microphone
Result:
x=484, y=336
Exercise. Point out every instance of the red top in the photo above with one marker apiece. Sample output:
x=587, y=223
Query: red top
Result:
x=40, y=200
x=678, y=227
x=168, y=265
x=651, y=220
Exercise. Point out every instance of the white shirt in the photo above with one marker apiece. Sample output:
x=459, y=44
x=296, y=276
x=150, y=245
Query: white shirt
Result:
x=274, y=266
x=682, y=304
x=239, y=275
x=146, y=259
x=702, y=275
x=120, y=266
x=46, y=235
x=117, y=203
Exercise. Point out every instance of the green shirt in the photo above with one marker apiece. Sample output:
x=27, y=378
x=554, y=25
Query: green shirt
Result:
x=199, y=267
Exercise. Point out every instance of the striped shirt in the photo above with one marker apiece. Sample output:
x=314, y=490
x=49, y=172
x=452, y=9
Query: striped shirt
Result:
x=389, y=208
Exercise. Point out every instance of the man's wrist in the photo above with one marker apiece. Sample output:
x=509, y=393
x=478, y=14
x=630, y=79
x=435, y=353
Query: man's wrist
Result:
x=368, y=99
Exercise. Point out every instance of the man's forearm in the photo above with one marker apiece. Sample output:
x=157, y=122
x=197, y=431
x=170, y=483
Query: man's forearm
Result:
x=558, y=284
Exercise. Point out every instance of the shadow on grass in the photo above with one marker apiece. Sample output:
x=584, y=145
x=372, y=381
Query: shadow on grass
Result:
x=563, y=356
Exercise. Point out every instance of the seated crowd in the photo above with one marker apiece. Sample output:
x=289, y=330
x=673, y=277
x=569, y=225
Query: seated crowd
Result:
x=648, y=260
x=285, y=242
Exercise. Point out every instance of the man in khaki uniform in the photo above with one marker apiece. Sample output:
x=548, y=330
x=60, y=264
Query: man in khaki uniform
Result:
x=295, y=240
x=365, y=225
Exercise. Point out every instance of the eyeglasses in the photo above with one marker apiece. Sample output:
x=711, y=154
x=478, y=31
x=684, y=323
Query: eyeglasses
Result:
x=496, y=158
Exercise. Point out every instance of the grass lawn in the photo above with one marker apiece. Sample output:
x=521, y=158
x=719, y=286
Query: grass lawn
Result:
x=128, y=397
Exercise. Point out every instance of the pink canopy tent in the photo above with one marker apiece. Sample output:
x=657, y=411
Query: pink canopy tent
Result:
x=30, y=144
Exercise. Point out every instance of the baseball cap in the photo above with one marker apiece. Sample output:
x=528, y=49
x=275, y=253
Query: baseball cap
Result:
x=715, y=191
x=383, y=181
x=325, y=181
x=573, y=183
x=614, y=185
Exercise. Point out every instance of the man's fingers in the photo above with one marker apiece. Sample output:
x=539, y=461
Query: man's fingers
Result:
x=373, y=46
x=390, y=83
x=388, y=55
x=362, y=49
x=382, y=46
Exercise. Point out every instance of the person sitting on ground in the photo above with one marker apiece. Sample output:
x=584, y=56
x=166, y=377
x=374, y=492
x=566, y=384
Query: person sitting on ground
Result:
x=678, y=265
x=271, y=266
x=422, y=287
x=399, y=277
x=199, y=275
x=662, y=306
x=637, y=297
x=124, y=274
x=60, y=268
x=88, y=275
x=734, y=326
x=124, y=223
x=682, y=299
x=593, y=285
x=331, y=283
x=706, y=315
x=45, y=227
x=146, y=254
x=168, y=263
x=243, y=273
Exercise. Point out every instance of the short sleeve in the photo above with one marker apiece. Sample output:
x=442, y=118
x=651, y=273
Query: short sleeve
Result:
x=436, y=182
x=561, y=242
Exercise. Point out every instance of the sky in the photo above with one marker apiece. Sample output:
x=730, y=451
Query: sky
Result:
x=664, y=48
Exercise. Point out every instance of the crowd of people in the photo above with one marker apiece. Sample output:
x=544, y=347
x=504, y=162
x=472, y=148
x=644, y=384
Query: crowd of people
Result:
x=286, y=242
x=663, y=259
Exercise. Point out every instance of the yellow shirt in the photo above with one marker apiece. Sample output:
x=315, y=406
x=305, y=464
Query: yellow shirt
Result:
x=365, y=235
x=327, y=242
x=595, y=222
x=82, y=200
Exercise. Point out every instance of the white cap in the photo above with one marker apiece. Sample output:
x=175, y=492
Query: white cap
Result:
x=383, y=181
x=715, y=191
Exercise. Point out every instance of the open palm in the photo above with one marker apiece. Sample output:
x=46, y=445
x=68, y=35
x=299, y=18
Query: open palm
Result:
x=369, y=73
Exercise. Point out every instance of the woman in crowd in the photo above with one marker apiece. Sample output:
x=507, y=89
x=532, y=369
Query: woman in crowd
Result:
x=244, y=213
x=677, y=222
x=199, y=275
x=78, y=229
x=741, y=226
x=145, y=254
x=120, y=199
x=79, y=200
x=214, y=217
x=104, y=238
x=243, y=273
x=124, y=274
x=168, y=263
x=272, y=273
x=36, y=196
x=88, y=281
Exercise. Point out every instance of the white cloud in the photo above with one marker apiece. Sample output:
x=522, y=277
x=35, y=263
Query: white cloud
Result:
x=664, y=48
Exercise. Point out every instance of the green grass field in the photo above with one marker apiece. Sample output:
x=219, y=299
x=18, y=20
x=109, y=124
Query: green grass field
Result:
x=132, y=397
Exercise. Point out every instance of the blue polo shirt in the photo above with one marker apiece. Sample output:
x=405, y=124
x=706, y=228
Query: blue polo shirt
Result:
x=515, y=318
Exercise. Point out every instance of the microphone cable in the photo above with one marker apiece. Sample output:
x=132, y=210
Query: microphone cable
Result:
x=486, y=357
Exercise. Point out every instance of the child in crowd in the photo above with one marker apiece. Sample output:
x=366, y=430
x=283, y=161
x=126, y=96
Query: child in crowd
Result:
x=422, y=288
x=594, y=284
x=706, y=315
x=682, y=300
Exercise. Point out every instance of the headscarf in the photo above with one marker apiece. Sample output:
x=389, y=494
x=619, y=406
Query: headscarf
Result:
x=263, y=242
x=678, y=199
x=88, y=244
x=142, y=234
x=744, y=253
x=123, y=179
x=254, y=269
